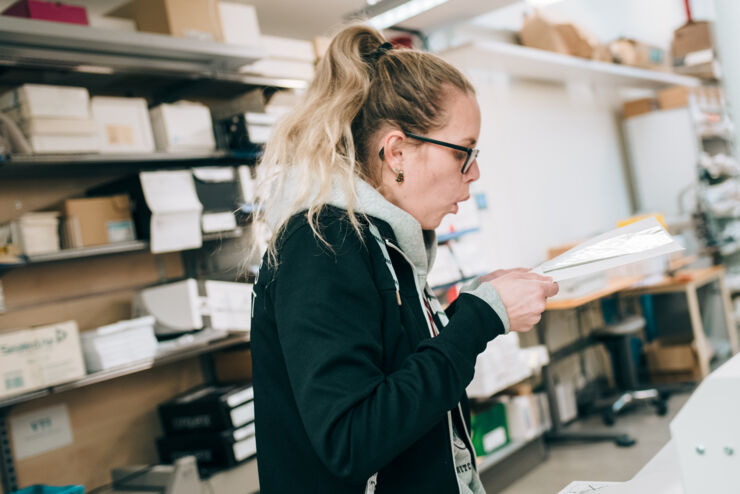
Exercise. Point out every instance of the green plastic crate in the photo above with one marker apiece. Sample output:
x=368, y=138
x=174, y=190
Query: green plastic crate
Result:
x=490, y=430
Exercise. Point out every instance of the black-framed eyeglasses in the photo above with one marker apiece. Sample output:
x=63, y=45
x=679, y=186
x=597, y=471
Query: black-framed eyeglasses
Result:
x=472, y=153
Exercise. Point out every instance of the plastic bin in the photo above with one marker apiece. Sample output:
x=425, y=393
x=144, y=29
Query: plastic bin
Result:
x=48, y=489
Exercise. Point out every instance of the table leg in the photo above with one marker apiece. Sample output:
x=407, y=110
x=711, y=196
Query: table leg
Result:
x=700, y=338
x=729, y=314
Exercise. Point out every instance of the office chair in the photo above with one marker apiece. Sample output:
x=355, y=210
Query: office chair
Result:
x=618, y=339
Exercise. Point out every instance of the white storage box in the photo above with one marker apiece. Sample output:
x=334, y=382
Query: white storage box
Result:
x=289, y=49
x=119, y=344
x=37, y=233
x=239, y=24
x=40, y=357
x=41, y=100
x=498, y=367
x=122, y=125
x=182, y=127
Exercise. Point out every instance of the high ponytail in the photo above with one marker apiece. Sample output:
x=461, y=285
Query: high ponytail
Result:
x=359, y=86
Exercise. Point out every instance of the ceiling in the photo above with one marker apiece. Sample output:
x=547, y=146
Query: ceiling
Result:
x=307, y=19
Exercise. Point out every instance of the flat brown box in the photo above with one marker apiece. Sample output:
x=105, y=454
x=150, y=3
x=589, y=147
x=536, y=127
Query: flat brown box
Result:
x=674, y=97
x=88, y=221
x=184, y=18
x=691, y=37
x=662, y=359
x=638, y=107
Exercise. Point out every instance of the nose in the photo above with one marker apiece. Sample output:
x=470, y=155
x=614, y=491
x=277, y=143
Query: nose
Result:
x=473, y=173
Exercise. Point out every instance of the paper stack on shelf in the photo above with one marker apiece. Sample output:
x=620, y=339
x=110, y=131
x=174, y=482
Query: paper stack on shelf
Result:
x=40, y=357
x=498, y=367
x=54, y=119
x=118, y=344
x=36, y=233
x=122, y=125
x=286, y=58
x=182, y=127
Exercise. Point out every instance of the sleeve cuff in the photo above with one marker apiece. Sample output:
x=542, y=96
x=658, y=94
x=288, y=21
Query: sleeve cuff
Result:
x=489, y=294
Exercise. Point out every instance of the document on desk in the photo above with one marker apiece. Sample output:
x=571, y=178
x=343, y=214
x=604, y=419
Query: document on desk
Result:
x=632, y=243
x=176, y=210
x=582, y=487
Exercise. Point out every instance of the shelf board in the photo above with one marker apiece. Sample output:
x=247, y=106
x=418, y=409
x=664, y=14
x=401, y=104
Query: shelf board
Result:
x=81, y=48
x=29, y=165
x=106, y=250
x=107, y=375
x=489, y=461
x=541, y=65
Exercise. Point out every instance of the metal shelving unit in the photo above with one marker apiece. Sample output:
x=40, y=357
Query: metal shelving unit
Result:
x=84, y=48
x=30, y=165
x=107, y=375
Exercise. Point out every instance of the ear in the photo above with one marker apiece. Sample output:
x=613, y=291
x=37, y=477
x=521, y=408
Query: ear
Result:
x=392, y=150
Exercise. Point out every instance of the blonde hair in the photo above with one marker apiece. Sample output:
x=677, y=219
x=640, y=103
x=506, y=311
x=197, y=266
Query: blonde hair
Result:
x=358, y=87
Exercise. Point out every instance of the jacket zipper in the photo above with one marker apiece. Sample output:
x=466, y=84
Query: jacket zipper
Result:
x=431, y=334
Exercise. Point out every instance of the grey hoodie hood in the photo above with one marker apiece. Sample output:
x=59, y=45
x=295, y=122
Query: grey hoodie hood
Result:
x=420, y=246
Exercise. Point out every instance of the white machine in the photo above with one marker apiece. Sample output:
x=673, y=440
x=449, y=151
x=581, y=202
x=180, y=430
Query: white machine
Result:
x=191, y=305
x=703, y=455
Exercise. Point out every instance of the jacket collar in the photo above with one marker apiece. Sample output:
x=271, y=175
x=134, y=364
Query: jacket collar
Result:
x=419, y=246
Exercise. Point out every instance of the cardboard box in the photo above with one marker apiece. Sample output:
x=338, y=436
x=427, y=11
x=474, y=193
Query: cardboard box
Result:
x=674, y=97
x=638, y=107
x=670, y=358
x=565, y=38
x=122, y=125
x=40, y=357
x=637, y=54
x=185, y=18
x=182, y=127
x=98, y=220
x=692, y=36
x=48, y=11
x=43, y=100
x=538, y=32
x=37, y=233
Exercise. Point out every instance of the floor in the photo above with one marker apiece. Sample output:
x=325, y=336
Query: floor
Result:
x=601, y=461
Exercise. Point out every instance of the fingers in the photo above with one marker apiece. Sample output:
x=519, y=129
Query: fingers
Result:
x=550, y=289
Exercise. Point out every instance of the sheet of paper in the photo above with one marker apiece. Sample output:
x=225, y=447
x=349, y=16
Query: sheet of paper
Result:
x=583, y=487
x=176, y=210
x=636, y=242
x=175, y=231
x=40, y=431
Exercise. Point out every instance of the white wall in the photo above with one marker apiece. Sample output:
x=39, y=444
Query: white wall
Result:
x=551, y=167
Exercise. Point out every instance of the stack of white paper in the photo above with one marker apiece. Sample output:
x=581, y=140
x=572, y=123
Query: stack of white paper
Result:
x=176, y=210
x=119, y=344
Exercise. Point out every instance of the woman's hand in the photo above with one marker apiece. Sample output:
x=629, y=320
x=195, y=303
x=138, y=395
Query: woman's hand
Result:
x=500, y=272
x=524, y=295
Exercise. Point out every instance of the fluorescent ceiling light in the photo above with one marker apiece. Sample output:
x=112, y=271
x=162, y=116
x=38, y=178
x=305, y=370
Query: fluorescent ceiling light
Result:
x=381, y=17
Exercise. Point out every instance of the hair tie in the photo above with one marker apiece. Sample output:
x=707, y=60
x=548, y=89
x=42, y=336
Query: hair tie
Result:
x=380, y=51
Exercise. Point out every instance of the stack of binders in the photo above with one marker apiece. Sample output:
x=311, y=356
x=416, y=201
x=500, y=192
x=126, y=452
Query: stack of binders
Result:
x=213, y=423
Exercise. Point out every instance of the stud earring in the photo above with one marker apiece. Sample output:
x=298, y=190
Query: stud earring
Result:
x=399, y=176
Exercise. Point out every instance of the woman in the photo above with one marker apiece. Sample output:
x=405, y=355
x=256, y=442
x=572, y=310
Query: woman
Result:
x=359, y=375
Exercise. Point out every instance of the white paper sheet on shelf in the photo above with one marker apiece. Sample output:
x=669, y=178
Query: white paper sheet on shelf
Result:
x=632, y=243
x=176, y=210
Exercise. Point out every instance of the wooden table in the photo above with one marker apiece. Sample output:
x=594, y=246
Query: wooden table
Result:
x=558, y=433
x=688, y=281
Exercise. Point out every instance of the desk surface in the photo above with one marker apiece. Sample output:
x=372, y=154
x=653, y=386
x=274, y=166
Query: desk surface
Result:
x=613, y=286
x=678, y=282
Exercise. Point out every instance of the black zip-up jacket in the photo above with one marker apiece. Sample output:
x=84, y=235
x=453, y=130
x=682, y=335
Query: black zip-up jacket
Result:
x=347, y=382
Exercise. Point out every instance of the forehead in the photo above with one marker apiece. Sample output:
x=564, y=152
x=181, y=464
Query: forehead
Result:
x=463, y=115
